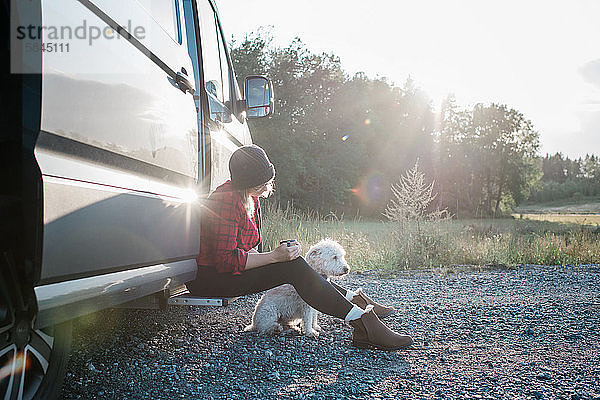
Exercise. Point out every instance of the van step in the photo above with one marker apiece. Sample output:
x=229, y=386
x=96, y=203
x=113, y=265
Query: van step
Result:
x=189, y=300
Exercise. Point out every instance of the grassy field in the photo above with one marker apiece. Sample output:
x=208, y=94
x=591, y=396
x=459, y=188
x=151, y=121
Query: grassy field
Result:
x=448, y=244
x=581, y=219
x=586, y=212
x=583, y=205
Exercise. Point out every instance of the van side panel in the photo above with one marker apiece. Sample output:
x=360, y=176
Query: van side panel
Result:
x=118, y=147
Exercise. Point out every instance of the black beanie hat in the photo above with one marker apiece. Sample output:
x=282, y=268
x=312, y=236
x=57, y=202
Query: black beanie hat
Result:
x=249, y=167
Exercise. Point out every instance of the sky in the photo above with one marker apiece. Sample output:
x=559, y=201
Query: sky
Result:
x=541, y=58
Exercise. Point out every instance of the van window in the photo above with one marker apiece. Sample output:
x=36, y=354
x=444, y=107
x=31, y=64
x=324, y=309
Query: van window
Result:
x=215, y=65
x=225, y=73
x=190, y=33
x=166, y=14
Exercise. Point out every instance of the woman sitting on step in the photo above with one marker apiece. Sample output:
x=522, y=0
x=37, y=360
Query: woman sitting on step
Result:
x=229, y=265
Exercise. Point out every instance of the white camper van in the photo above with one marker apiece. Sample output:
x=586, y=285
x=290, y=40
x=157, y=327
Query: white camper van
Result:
x=120, y=116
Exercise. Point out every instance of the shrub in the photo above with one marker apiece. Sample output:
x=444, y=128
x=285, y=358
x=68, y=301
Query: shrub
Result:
x=412, y=198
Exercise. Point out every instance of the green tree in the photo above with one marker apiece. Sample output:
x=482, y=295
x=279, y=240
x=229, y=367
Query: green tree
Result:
x=250, y=56
x=508, y=146
x=590, y=168
x=486, y=157
x=299, y=137
x=454, y=154
x=557, y=168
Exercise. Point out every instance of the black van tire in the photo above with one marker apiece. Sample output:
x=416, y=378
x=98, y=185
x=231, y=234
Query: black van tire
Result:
x=44, y=351
x=52, y=383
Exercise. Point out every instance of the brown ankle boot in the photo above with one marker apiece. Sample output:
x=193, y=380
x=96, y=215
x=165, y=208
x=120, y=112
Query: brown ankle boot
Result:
x=370, y=332
x=362, y=300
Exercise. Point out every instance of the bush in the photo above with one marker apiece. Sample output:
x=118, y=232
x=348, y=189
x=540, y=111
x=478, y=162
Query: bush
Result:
x=412, y=198
x=575, y=189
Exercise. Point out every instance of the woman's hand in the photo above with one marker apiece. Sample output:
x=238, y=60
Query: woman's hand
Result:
x=286, y=253
x=281, y=253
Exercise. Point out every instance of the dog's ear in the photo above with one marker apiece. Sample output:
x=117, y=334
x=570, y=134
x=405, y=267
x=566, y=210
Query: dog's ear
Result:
x=314, y=257
x=314, y=253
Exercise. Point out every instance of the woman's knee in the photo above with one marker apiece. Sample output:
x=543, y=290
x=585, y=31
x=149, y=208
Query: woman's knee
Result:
x=300, y=264
x=299, y=268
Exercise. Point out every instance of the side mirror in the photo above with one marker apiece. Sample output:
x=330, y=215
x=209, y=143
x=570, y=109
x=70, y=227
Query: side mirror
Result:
x=259, y=96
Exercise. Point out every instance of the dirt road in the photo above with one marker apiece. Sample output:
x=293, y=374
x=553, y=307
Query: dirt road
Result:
x=532, y=333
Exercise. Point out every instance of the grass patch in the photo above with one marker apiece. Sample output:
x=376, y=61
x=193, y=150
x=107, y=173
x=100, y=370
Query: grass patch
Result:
x=585, y=212
x=391, y=247
x=580, y=219
x=590, y=205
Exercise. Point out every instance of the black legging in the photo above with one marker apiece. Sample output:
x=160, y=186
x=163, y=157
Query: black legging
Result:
x=312, y=287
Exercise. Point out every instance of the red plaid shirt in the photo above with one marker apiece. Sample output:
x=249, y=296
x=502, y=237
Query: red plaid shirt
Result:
x=226, y=231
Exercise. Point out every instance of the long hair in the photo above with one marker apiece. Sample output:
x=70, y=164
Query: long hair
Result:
x=247, y=200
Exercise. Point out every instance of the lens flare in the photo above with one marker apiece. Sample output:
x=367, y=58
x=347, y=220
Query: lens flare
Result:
x=15, y=366
x=367, y=121
x=345, y=137
x=371, y=189
x=190, y=195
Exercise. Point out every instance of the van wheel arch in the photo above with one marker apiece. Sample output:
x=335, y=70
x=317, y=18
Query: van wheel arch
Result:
x=33, y=362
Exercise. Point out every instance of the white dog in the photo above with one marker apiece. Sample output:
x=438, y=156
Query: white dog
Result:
x=282, y=307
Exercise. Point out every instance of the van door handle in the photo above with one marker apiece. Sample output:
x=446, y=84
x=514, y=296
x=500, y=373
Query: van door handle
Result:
x=183, y=82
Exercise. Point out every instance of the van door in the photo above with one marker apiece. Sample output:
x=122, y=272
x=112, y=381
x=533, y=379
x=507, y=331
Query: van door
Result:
x=118, y=147
x=223, y=127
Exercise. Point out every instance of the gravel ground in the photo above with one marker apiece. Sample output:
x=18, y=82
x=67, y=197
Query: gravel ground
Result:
x=529, y=333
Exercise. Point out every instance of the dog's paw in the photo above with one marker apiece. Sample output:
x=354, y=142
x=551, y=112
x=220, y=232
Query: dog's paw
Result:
x=311, y=333
x=318, y=328
x=293, y=327
x=291, y=330
x=269, y=330
x=277, y=329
